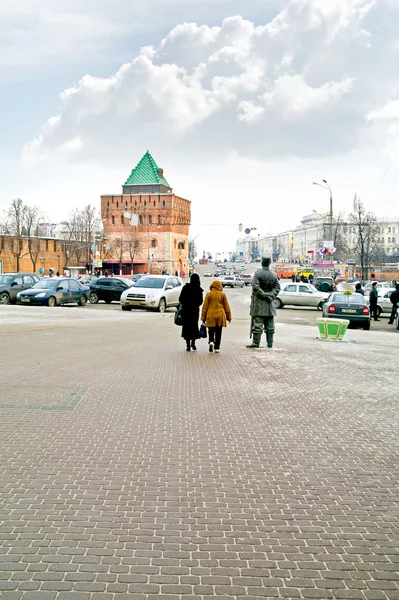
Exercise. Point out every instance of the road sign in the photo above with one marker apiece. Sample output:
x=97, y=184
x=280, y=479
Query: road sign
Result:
x=247, y=231
x=99, y=263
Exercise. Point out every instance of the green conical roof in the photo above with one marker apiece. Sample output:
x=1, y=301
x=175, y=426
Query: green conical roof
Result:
x=147, y=172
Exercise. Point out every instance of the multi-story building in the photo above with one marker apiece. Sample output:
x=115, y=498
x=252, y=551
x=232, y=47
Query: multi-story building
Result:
x=146, y=226
x=303, y=242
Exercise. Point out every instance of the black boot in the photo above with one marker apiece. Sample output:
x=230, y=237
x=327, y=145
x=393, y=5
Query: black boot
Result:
x=193, y=346
x=188, y=347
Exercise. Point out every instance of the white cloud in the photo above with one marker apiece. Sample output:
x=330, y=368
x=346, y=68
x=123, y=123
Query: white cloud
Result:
x=201, y=89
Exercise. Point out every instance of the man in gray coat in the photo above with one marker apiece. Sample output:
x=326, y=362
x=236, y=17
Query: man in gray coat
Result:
x=265, y=288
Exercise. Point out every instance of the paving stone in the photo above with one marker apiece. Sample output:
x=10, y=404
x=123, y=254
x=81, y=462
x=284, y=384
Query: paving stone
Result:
x=187, y=475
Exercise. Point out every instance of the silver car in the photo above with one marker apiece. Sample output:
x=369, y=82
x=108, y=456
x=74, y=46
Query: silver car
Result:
x=231, y=281
x=153, y=292
x=300, y=294
x=384, y=304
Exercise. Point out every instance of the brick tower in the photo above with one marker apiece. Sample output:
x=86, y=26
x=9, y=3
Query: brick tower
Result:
x=146, y=227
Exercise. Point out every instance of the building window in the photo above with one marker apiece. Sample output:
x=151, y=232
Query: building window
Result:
x=136, y=244
x=46, y=244
x=117, y=204
x=55, y=246
x=181, y=246
x=140, y=219
x=159, y=220
x=150, y=219
x=122, y=220
x=153, y=243
x=163, y=203
x=107, y=212
x=113, y=220
x=389, y=230
x=175, y=243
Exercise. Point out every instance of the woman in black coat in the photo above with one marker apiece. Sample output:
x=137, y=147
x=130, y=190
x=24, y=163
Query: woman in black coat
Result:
x=191, y=298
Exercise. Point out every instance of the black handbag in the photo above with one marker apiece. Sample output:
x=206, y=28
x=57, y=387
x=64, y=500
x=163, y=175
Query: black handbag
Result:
x=179, y=316
x=202, y=331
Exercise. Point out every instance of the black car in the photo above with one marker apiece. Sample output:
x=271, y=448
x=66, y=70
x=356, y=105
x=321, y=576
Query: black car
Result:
x=325, y=284
x=108, y=289
x=13, y=283
x=352, y=307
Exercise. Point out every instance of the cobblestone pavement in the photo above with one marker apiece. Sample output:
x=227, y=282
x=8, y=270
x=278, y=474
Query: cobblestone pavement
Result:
x=133, y=469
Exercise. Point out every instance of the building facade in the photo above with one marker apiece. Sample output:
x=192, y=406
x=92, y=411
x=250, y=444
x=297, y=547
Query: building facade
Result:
x=146, y=226
x=303, y=242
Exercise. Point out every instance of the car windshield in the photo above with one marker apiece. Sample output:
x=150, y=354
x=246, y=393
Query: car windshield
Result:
x=348, y=298
x=151, y=282
x=5, y=279
x=46, y=284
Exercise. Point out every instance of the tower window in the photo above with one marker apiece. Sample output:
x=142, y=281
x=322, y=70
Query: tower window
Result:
x=181, y=246
x=150, y=219
x=153, y=243
x=159, y=220
x=113, y=220
x=122, y=220
x=140, y=219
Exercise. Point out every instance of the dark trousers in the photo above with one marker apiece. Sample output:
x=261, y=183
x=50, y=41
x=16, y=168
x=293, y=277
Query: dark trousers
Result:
x=393, y=313
x=215, y=335
x=373, y=310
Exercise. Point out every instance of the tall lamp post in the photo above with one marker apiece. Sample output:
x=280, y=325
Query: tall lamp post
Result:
x=326, y=186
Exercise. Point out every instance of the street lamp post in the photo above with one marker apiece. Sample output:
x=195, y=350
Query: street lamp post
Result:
x=326, y=186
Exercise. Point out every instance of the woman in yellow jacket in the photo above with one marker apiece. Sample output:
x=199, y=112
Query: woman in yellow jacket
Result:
x=215, y=313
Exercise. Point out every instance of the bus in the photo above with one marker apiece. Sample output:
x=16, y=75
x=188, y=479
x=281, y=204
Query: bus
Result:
x=284, y=271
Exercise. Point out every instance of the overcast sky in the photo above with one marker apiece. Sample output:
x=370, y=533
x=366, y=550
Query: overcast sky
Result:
x=243, y=103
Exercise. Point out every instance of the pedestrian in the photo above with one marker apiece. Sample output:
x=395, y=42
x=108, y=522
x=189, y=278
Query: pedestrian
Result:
x=373, y=301
x=215, y=314
x=359, y=289
x=265, y=288
x=311, y=278
x=394, y=298
x=293, y=278
x=191, y=298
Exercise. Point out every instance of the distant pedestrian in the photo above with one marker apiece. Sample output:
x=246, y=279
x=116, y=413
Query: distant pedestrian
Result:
x=265, y=288
x=215, y=314
x=293, y=278
x=373, y=301
x=394, y=298
x=311, y=278
x=359, y=289
x=191, y=298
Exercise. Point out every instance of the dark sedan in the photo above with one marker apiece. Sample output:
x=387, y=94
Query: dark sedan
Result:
x=55, y=291
x=108, y=289
x=352, y=307
x=12, y=283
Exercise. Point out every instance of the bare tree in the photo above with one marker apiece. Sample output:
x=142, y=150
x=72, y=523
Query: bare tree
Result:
x=133, y=246
x=15, y=226
x=119, y=245
x=366, y=227
x=33, y=218
x=80, y=230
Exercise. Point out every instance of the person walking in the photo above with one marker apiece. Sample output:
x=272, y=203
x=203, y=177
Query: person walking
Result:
x=215, y=314
x=265, y=288
x=394, y=298
x=373, y=301
x=359, y=289
x=191, y=298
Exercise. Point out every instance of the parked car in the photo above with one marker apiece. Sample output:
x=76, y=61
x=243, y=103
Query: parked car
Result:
x=246, y=278
x=348, y=306
x=108, y=289
x=136, y=277
x=381, y=285
x=87, y=279
x=12, y=283
x=384, y=305
x=231, y=281
x=207, y=274
x=325, y=284
x=300, y=294
x=153, y=291
x=54, y=292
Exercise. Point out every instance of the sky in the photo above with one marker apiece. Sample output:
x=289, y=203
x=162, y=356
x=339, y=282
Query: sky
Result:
x=243, y=103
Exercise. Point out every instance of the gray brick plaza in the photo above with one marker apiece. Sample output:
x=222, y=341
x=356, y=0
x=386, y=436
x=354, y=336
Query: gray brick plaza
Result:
x=133, y=469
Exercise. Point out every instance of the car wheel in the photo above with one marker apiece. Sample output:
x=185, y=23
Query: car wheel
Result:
x=162, y=305
x=126, y=308
x=51, y=302
x=82, y=301
x=5, y=298
x=320, y=306
x=367, y=327
x=93, y=298
x=378, y=311
x=277, y=303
